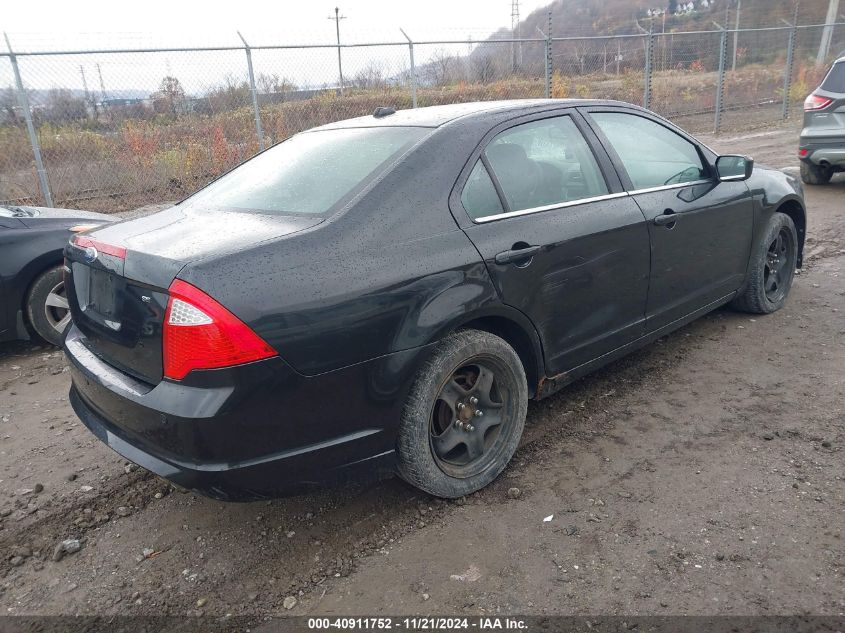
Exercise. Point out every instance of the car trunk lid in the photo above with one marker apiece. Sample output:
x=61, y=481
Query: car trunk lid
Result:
x=118, y=275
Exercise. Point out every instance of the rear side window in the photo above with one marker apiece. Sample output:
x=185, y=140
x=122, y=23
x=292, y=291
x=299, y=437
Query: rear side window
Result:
x=835, y=80
x=479, y=196
x=310, y=173
x=652, y=154
x=544, y=163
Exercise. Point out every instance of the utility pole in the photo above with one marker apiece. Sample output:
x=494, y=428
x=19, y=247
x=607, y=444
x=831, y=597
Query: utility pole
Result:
x=84, y=83
x=89, y=100
x=827, y=34
x=103, y=91
x=85, y=89
x=337, y=18
x=736, y=31
x=102, y=84
x=516, y=49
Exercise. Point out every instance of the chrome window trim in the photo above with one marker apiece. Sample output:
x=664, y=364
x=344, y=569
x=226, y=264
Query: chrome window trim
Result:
x=672, y=186
x=549, y=207
x=573, y=203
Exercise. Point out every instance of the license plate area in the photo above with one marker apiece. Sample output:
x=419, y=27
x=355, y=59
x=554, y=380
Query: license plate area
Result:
x=99, y=294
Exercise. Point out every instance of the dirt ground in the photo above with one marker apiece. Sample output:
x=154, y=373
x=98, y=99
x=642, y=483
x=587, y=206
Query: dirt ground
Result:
x=702, y=475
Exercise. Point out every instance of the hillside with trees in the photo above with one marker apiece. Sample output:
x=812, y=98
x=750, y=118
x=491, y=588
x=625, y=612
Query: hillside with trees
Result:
x=489, y=61
x=620, y=17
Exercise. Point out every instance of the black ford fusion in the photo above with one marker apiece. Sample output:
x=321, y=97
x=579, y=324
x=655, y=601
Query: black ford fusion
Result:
x=386, y=293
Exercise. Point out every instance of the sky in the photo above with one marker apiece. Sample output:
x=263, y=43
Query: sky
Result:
x=60, y=25
x=96, y=23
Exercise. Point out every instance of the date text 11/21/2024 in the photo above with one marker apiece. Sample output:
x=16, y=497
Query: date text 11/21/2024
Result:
x=423, y=623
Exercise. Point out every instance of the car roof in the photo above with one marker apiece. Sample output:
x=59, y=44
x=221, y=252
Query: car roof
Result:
x=436, y=116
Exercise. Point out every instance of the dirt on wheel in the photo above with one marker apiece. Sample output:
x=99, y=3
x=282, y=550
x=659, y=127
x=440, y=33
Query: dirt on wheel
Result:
x=701, y=475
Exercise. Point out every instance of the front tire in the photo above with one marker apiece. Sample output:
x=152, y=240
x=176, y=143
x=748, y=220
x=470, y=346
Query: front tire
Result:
x=772, y=268
x=47, y=308
x=464, y=416
x=815, y=174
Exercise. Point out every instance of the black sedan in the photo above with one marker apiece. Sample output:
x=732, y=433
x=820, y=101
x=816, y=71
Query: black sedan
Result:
x=32, y=293
x=385, y=294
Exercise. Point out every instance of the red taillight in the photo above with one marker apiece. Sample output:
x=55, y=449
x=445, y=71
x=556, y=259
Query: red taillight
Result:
x=802, y=153
x=83, y=241
x=199, y=333
x=815, y=102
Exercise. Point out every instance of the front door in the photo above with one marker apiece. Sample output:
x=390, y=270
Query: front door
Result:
x=700, y=228
x=561, y=241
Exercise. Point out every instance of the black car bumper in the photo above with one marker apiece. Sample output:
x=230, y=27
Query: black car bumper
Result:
x=252, y=431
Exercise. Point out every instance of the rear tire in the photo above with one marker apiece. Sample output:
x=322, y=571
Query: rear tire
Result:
x=815, y=174
x=46, y=306
x=772, y=268
x=464, y=416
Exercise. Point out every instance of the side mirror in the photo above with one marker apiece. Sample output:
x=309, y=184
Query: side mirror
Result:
x=733, y=167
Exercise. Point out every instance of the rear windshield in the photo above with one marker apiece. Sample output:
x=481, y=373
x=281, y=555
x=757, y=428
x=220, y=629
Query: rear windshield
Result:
x=310, y=173
x=835, y=80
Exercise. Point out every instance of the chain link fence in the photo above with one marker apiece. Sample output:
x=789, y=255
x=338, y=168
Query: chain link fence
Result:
x=116, y=129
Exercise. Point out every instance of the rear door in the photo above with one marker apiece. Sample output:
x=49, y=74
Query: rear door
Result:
x=562, y=242
x=700, y=228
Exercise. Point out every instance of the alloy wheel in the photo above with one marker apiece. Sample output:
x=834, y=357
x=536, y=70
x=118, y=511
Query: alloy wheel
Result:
x=56, y=308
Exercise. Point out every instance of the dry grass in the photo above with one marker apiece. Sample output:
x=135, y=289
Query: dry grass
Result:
x=117, y=165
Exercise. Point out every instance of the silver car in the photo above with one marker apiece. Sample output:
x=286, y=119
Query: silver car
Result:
x=822, y=145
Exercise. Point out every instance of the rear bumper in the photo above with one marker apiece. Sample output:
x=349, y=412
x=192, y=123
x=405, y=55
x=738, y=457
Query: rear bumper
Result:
x=252, y=431
x=834, y=157
x=823, y=149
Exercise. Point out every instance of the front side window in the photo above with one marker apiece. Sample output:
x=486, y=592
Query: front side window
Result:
x=652, y=154
x=544, y=163
x=311, y=173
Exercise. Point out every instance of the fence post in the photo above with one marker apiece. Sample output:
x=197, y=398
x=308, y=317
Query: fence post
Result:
x=548, y=63
x=23, y=102
x=649, y=55
x=790, y=63
x=413, y=70
x=720, y=85
x=258, y=130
